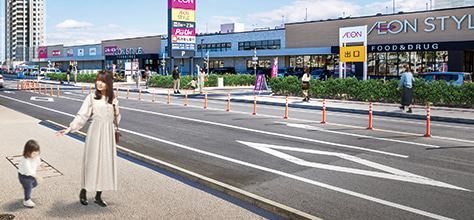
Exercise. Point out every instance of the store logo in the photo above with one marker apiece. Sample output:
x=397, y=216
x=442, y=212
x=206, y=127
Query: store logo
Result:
x=56, y=52
x=353, y=34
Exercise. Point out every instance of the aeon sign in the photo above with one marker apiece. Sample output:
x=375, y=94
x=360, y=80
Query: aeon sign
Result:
x=429, y=24
x=352, y=34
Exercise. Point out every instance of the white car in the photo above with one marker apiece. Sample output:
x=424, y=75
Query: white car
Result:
x=1, y=81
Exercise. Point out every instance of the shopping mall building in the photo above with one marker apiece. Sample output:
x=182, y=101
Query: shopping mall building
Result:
x=435, y=40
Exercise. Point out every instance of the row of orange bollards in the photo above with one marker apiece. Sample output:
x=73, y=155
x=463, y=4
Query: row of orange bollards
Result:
x=27, y=85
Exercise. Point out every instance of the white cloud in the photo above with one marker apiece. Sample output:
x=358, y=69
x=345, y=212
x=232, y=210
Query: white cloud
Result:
x=73, y=24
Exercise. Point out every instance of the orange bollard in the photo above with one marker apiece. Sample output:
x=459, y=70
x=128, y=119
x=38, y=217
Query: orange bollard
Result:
x=428, y=122
x=228, y=102
x=254, y=104
x=128, y=92
x=153, y=95
x=18, y=85
x=324, y=112
x=34, y=87
x=51, y=87
x=370, y=117
x=39, y=88
x=116, y=93
x=286, y=109
x=205, y=100
x=45, y=87
x=140, y=93
x=186, y=98
x=58, y=90
x=168, y=96
x=29, y=85
x=90, y=88
x=82, y=87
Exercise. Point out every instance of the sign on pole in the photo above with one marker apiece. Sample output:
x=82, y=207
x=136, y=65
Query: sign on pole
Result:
x=356, y=34
x=181, y=28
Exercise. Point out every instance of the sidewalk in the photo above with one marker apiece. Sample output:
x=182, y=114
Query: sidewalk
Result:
x=144, y=192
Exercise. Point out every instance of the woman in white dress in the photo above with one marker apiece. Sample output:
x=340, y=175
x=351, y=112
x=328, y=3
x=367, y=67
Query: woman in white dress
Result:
x=201, y=78
x=99, y=169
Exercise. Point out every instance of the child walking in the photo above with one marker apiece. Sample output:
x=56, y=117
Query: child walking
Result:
x=193, y=84
x=27, y=170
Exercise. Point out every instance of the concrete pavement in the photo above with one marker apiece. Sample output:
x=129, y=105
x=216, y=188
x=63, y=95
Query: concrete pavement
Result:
x=145, y=192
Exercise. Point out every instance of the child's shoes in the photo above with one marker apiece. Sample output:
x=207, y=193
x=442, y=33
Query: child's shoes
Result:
x=28, y=203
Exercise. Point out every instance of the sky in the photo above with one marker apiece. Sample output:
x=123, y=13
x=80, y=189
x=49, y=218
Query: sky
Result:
x=78, y=22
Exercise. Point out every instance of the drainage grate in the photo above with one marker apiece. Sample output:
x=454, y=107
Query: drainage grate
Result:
x=50, y=172
x=6, y=216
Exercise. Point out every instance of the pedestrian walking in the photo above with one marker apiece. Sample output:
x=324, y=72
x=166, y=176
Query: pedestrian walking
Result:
x=176, y=75
x=193, y=84
x=147, y=76
x=305, y=86
x=201, y=78
x=75, y=74
x=406, y=81
x=27, y=171
x=99, y=168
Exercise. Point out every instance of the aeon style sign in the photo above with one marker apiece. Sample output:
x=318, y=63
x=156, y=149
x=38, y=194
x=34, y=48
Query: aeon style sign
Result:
x=429, y=24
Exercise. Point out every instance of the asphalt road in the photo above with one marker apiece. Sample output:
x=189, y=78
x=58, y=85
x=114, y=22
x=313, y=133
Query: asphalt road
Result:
x=338, y=170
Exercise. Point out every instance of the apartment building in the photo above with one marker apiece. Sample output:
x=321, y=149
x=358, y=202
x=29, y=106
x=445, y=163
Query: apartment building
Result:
x=24, y=30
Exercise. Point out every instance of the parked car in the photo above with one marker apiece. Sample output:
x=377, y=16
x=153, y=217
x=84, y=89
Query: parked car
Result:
x=42, y=71
x=321, y=74
x=34, y=72
x=220, y=71
x=285, y=71
x=248, y=72
x=456, y=78
x=1, y=81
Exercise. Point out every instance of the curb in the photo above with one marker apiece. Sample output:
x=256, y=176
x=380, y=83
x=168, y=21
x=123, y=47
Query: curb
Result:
x=364, y=112
x=235, y=192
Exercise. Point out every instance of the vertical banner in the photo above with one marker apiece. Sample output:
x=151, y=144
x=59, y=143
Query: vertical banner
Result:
x=181, y=28
x=275, y=67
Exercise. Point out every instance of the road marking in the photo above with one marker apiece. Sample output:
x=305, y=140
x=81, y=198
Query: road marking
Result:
x=298, y=178
x=312, y=182
x=309, y=127
x=41, y=99
x=396, y=174
x=9, y=92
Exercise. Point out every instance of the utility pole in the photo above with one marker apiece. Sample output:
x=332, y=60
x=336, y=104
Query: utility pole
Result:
x=306, y=18
x=202, y=52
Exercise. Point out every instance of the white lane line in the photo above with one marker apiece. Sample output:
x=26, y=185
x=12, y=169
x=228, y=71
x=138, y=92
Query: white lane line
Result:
x=313, y=128
x=396, y=174
x=323, y=185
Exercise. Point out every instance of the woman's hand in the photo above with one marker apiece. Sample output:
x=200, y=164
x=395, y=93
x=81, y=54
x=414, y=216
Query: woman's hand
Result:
x=115, y=102
x=63, y=132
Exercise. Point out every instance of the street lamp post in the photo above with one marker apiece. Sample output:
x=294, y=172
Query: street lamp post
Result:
x=202, y=53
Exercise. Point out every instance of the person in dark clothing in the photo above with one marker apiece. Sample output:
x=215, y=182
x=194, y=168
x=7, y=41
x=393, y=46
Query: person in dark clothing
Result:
x=176, y=79
x=406, y=81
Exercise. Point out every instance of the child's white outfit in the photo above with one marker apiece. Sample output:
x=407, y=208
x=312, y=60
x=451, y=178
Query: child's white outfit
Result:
x=27, y=168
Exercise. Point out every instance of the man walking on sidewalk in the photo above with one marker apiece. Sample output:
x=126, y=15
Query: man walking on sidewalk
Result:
x=176, y=80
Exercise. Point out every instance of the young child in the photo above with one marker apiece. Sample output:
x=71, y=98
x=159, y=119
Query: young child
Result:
x=27, y=171
x=193, y=84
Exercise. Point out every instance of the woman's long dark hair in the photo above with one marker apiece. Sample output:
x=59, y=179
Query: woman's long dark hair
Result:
x=306, y=71
x=106, y=77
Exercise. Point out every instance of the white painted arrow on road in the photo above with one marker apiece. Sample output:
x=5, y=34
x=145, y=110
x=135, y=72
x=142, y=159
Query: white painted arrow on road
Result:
x=392, y=173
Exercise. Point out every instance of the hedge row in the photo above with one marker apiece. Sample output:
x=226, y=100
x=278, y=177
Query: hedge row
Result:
x=86, y=77
x=229, y=80
x=437, y=93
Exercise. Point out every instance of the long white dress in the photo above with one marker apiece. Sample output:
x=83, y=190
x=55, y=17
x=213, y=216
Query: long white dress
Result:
x=99, y=169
